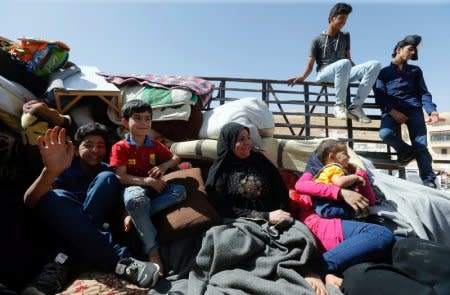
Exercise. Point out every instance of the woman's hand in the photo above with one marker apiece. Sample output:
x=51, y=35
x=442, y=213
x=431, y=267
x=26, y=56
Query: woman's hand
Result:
x=278, y=215
x=357, y=201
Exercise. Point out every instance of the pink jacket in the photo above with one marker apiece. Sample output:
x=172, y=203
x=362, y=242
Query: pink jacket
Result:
x=327, y=231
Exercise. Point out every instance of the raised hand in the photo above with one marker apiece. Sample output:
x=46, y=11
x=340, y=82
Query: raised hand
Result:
x=57, y=154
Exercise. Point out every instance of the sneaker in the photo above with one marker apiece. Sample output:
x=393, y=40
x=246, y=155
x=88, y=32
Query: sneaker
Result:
x=357, y=114
x=52, y=279
x=144, y=274
x=340, y=112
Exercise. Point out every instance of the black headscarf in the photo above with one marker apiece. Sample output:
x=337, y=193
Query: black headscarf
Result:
x=225, y=150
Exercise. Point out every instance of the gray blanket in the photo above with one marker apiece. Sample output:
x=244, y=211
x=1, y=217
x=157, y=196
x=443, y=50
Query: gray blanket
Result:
x=241, y=257
x=411, y=209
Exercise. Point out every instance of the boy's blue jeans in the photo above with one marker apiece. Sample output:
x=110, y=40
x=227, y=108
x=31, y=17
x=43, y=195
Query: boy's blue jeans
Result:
x=362, y=242
x=143, y=202
x=417, y=134
x=79, y=222
x=341, y=73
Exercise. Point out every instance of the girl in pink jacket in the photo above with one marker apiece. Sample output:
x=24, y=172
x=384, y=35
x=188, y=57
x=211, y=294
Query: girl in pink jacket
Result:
x=343, y=243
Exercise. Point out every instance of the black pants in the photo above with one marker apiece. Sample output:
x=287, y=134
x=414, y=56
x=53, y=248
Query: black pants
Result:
x=419, y=267
x=381, y=279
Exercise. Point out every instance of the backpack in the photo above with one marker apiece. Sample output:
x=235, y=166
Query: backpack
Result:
x=42, y=57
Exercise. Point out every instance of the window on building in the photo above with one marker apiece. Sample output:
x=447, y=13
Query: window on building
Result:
x=444, y=151
x=440, y=136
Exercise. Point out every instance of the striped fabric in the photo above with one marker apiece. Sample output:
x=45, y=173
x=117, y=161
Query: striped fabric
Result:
x=198, y=86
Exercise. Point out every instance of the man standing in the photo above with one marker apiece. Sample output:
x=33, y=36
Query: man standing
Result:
x=331, y=51
x=401, y=92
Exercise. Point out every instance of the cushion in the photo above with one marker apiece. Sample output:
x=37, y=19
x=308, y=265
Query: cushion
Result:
x=191, y=216
x=203, y=149
x=291, y=154
x=286, y=154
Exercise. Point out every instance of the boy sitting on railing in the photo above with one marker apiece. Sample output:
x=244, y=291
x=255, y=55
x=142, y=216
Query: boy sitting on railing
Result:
x=331, y=51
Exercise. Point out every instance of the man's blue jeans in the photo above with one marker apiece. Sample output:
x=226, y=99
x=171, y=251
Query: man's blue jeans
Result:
x=417, y=134
x=363, y=242
x=79, y=222
x=341, y=73
x=143, y=202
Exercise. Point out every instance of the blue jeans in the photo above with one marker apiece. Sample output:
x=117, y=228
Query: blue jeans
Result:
x=79, y=223
x=417, y=134
x=341, y=73
x=363, y=242
x=143, y=202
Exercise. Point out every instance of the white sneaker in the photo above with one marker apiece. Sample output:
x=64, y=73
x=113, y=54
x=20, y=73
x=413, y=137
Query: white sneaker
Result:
x=357, y=114
x=340, y=112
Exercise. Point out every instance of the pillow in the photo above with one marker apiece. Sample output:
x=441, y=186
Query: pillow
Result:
x=191, y=216
x=251, y=112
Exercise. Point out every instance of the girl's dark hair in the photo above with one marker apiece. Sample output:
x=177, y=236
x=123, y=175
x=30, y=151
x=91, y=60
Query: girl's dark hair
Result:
x=135, y=106
x=91, y=129
x=328, y=146
x=340, y=8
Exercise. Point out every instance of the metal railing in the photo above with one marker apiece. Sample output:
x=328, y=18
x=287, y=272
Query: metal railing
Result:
x=305, y=111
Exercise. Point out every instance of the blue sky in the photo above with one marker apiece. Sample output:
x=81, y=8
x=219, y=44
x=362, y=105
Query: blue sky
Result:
x=247, y=39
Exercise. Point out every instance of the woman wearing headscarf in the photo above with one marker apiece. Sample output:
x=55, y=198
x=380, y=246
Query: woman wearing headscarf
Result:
x=244, y=183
